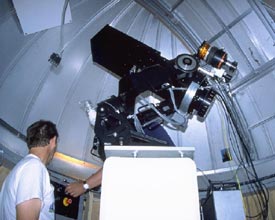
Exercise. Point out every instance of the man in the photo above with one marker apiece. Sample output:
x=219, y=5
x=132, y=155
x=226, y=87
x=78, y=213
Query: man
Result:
x=26, y=193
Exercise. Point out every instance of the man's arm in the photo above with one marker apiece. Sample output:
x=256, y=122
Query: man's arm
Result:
x=28, y=210
x=76, y=189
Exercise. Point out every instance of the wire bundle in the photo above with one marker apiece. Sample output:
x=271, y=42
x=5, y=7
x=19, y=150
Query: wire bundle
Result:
x=242, y=147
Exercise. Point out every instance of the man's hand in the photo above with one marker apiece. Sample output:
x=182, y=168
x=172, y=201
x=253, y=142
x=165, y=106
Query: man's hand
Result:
x=75, y=189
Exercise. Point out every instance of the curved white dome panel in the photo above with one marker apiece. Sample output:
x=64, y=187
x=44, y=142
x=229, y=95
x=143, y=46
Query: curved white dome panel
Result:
x=32, y=88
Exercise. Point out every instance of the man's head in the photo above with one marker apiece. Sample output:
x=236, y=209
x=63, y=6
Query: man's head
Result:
x=42, y=140
x=40, y=133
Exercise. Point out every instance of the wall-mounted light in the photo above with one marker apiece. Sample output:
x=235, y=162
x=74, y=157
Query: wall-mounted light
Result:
x=55, y=59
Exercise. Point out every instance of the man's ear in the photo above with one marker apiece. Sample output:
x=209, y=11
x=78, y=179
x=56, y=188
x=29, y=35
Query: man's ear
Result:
x=53, y=141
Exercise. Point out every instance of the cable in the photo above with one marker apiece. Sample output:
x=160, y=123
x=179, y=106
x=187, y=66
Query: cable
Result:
x=2, y=157
x=64, y=11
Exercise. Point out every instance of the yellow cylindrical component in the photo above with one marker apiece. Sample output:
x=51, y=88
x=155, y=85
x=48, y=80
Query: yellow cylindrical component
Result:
x=203, y=50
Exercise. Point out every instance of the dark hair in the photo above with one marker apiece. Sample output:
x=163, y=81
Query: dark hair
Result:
x=40, y=133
